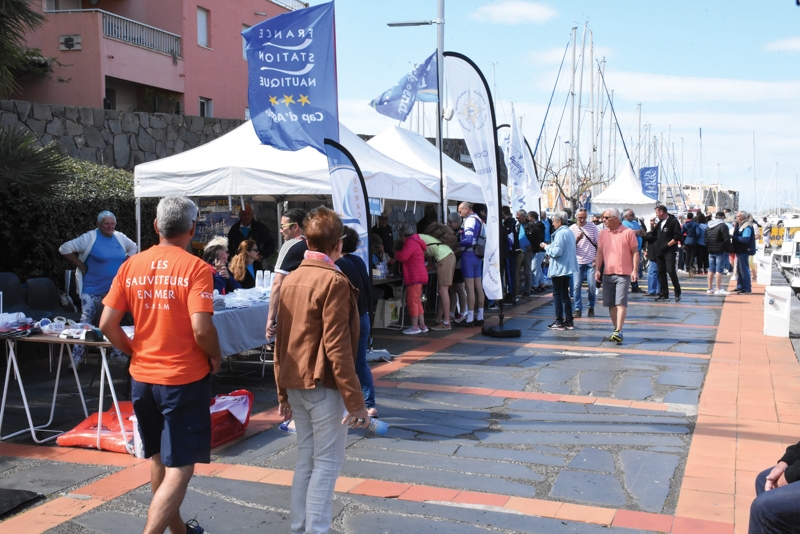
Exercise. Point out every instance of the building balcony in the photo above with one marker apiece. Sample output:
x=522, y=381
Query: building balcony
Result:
x=93, y=46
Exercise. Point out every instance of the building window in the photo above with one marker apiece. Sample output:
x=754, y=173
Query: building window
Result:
x=244, y=43
x=206, y=107
x=62, y=5
x=203, y=16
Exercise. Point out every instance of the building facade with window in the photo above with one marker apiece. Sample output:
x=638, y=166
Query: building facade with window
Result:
x=170, y=56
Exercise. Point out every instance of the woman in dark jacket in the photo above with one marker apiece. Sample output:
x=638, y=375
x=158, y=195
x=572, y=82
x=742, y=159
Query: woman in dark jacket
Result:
x=356, y=271
x=244, y=265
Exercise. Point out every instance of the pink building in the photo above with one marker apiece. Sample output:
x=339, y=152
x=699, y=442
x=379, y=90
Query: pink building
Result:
x=172, y=56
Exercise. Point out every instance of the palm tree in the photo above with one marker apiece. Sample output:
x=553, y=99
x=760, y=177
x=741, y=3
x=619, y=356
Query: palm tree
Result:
x=26, y=164
x=16, y=18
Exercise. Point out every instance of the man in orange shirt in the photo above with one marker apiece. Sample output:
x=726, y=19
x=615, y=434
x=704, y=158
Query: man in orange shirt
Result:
x=169, y=292
x=617, y=253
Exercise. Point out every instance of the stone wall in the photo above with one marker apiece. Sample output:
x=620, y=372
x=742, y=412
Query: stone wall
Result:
x=119, y=139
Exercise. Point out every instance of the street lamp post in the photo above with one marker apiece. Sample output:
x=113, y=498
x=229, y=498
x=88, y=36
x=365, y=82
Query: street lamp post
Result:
x=439, y=21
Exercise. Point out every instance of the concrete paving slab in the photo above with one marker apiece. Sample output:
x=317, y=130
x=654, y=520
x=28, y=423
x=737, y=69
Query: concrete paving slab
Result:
x=591, y=459
x=683, y=396
x=488, y=520
x=567, y=438
x=647, y=476
x=50, y=477
x=512, y=455
x=592, y=488
x=117, y=522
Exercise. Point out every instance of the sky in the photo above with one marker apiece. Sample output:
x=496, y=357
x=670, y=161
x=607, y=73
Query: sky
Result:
x=728, y=67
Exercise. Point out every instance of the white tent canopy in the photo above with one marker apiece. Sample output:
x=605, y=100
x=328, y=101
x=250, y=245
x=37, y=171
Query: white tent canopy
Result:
x=417, y=152
x=237, y=164
x=624, y=193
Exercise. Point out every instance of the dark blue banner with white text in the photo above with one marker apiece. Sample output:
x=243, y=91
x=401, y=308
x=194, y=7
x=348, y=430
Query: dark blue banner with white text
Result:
x=649, y=178
x=292, y=79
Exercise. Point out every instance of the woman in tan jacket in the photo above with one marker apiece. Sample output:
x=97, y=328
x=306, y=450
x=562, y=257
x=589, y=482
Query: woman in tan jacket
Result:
x=315, y=354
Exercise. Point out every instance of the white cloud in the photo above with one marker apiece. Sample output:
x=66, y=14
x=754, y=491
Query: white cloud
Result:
x=553, y=56
x=644, y=87
x=792, y=44
x=514, y=12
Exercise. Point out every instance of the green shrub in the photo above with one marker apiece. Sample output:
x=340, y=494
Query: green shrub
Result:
x=34, y=224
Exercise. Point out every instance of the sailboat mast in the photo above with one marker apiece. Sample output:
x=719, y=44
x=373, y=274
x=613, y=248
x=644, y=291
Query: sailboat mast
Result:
x=592, y=137
x=570, y=159
x=580, y=102
x=755, y=180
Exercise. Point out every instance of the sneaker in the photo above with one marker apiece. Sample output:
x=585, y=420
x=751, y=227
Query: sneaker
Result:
x=745, y=292
x=569, y=325
x=286, y=426
x=193, y=527
x=591, y=312
x=442, y=326
x=677, y=298
x=493, y=306
x=734, y=278
x=412, y=331
x=576, y=314
x=721, y=292
x=556, y=326
x=424, y=330
x=460, y=318
x=711, y=292
x=478, y=322
x=466, y=324
x=661, y=297
x=616, y=336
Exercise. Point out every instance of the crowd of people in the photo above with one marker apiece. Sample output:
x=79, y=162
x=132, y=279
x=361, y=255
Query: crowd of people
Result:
x=324, y=382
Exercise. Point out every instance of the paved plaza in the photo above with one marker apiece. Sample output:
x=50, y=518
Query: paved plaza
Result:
x=555, y=431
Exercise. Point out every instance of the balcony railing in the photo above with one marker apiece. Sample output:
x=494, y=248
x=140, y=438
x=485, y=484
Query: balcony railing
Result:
x=136, y=33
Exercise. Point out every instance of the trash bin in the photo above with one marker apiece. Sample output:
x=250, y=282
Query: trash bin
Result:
x=777, y=306
x=764, y=269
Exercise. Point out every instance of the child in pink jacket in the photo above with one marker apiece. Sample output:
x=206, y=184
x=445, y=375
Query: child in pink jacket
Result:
x=415, y=274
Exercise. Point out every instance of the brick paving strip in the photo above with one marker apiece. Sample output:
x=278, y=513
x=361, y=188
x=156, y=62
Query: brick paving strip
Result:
x=742, y=427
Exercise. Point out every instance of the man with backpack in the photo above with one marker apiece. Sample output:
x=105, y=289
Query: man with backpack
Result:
x=689, y=229
x=718, y=241
x=472, y=245
x=586, y=235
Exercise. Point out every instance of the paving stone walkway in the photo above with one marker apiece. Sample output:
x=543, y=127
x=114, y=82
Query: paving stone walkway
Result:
x=550, y=432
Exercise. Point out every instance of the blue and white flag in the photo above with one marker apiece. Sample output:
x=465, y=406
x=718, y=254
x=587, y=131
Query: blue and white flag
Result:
x=419, y=84
x=524, y=189
x=349, y=195
x=292, y=79
x=649, y=178
x=472, y=102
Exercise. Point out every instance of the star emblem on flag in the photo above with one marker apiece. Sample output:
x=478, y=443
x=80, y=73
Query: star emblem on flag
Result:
x=273, y=100
x=471, y=111
x=303, y=100
x=288, y=99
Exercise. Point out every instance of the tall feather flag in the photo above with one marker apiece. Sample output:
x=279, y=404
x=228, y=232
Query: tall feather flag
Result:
x=474, y=111
x=524, y=191
x=349, y=192
x=292, y=95
x=419, y=84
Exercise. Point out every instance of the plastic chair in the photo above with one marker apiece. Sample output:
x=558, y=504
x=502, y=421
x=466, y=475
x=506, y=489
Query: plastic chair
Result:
x=45, y=301
x=13, y=294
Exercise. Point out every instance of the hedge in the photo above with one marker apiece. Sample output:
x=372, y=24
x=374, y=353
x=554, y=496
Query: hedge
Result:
x=33, y=226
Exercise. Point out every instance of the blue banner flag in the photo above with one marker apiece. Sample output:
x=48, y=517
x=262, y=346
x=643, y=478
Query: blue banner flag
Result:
x=349, y=195
x=419, y=84
x=649, y=178
x=292, y=79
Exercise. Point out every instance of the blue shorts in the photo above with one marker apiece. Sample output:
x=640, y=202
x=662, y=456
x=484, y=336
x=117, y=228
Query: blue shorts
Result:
x=174, y=421
x=717, y=262
x=471, y=265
